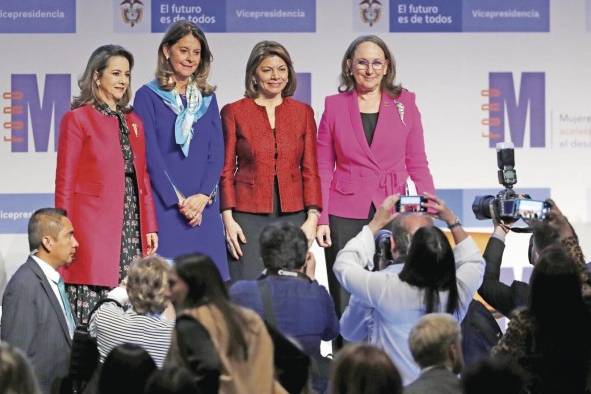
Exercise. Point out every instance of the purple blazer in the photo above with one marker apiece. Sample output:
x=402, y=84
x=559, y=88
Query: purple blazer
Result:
x=354, y=174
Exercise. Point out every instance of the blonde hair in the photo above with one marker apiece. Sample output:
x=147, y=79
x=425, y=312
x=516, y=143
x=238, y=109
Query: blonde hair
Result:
x=16, y=374
x=147, y=281
x=164, y=71
x=98, y=61
x=430, y=338
x=261, y=51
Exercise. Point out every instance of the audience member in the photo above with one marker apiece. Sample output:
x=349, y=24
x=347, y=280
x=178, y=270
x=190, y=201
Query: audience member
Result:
x=300, y=307
x=480, y=331
x=493, y=376
x=550, y=339
x=16, y=374
x=36, y=313
x=436, y=345
x=435, y=278
x=125, y=370
x=172, y=380
x=557, y=230
x=364, y=369
x=219, y=342
x=143, y=324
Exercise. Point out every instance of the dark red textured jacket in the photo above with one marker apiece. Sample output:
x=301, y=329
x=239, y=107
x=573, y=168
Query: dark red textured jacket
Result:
x=255, y=155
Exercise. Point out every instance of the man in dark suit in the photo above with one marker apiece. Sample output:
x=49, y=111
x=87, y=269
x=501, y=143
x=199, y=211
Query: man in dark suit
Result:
x=436, y=345
x=36, y=313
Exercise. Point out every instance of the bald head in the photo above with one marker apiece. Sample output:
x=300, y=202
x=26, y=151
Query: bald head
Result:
x=404, y=226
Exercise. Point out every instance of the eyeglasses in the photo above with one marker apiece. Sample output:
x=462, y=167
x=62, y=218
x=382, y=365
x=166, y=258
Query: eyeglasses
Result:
x=363, y=64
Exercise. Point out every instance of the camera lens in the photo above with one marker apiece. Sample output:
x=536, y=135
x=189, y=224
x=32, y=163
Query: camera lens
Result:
x=481, y=207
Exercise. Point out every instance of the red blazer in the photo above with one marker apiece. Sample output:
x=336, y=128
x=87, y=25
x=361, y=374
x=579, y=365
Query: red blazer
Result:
x=251, y=162
x=355, y=174
x=89, y=184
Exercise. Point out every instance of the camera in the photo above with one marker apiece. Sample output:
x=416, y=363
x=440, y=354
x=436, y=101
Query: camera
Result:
x=411, y=204
x=383, y=255
x=508, y=205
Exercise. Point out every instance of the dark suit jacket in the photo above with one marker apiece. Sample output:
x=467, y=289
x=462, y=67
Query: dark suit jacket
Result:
x=33, y=321
x=480, y=332
x=437, y=380
x=256, y=155
x=500, y=296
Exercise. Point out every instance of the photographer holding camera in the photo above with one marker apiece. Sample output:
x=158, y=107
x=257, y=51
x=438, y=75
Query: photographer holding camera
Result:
x=555, y=230
x=435, y=278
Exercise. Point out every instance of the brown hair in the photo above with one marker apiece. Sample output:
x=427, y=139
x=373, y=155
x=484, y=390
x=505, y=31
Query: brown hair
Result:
x=164, y=71
x=347, y=83
x=16, y=373
x=261, y=51
x=147, y=281
x=364, y=369
x=99, y=60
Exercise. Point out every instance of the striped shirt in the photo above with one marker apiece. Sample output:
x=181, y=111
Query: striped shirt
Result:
x=113, y=326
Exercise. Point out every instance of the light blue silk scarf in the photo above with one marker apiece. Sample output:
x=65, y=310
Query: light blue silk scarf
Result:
x=197, y=106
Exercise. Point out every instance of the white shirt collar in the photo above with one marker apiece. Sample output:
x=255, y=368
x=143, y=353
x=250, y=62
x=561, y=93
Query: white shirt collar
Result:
x=50, y=272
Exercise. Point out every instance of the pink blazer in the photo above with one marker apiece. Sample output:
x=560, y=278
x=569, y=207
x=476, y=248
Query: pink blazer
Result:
x=353, y=174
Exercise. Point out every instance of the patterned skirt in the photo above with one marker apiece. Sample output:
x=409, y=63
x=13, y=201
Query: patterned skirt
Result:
x=84, y=297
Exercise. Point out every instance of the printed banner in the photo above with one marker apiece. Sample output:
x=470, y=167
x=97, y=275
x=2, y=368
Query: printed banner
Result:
x=38, y=16
x=16, y=210
x=452, y=15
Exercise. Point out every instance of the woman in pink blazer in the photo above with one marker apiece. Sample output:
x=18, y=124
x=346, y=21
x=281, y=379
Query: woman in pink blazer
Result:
x=370, y=140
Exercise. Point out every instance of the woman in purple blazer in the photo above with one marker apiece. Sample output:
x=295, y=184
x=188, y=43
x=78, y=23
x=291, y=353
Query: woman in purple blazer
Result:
x=185, y=146
x=370, y=140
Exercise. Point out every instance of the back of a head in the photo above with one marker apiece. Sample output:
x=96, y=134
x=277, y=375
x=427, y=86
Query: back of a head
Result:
x=543, y=236
x=43, y=222
x=364, y=369
x=126, y=370
x=493, y=376
x=16, y=374
x=147, y=284
x=202, y=277
x=205, y=286
x=556, y=288
x=404, y=226
x=283, y=246
x=430, y=339
x=430, y=265
x=172, y=380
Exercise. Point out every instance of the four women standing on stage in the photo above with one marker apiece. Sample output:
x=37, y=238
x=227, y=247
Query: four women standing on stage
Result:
x=370, y=141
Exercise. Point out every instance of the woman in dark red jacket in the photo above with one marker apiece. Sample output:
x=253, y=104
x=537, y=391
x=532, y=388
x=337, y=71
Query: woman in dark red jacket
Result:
x=270, y=171
x=101, y=180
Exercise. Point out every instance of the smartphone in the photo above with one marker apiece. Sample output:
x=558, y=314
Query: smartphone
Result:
x=411, y=204
x=533, y=209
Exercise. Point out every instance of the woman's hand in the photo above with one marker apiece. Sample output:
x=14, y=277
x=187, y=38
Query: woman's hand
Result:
x=152, y=242
x=385, y=214
x=234, y=234
x=309, y=227
x=440, y=209
x=323, y=236
x=192, y=208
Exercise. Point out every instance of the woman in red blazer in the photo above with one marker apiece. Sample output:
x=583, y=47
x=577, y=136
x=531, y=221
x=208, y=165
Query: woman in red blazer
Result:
x=102, y=181
x=270, y=169
x=370, y=140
